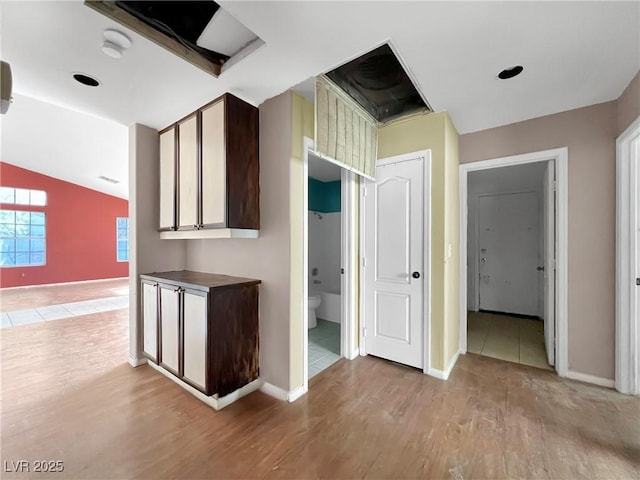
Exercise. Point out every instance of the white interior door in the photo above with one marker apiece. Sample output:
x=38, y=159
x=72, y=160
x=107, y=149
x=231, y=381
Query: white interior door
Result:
x=394, y=262
x=509, y=251
x=635, y=256
x=549, y=294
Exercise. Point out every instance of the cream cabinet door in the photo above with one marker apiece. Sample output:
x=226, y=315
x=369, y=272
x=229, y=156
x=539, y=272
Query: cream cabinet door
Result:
x=188, y=173
x=150, y=319
x=167, y=178
x=195, y=337
x=213, y=165
x=170, y=327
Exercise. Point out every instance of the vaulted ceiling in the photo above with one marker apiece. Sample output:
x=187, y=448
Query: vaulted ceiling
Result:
x=574, y=54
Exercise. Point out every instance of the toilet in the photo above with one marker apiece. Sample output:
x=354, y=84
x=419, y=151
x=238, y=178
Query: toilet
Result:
x=314, y=302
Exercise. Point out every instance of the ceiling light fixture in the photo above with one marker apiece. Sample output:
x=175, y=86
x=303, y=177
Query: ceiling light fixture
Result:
x=85, y=79
x=510, y=72
x=115, y=43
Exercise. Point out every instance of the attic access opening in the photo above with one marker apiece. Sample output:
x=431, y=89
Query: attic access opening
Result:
x=379, y=84
x=200, y=31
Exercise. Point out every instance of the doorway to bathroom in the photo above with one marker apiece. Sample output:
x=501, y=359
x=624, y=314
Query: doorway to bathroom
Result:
x=330, y=257
x=325, y=231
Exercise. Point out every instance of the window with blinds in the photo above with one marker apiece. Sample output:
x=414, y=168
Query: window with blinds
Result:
x=345, y=132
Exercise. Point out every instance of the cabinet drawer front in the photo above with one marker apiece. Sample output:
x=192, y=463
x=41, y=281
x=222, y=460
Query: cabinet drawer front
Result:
x=214, y=181
x=169, y=327
x=150, y=319
x=188, y=172
x=195, y=338
x=167, y=178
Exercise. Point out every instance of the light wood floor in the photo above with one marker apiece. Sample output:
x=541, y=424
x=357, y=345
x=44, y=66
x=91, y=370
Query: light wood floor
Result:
x=43, y=296
x=67, y=394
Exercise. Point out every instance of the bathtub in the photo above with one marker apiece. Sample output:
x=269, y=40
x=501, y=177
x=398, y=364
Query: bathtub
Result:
x=330, y=306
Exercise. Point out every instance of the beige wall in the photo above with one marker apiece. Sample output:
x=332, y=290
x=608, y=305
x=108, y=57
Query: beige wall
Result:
x=436, y=133
x=628, y=104
x=147, y=253
x=265, y=258
x=589, y=133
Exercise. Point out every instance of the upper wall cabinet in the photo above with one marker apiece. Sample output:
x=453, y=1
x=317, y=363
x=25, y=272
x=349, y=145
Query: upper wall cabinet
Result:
x=210, y=172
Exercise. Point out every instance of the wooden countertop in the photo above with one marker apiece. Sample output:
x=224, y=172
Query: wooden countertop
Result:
x=199, y=280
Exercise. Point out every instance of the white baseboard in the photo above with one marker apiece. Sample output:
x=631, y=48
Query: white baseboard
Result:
x=444, y=374
x=136, y=362
x=281, y=394
x=583, y=377
x=214, y=401
x=354, y=354
x=296, y=394
x=275, y=392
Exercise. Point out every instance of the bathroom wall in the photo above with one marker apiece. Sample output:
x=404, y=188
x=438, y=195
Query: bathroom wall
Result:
x=324, y=235
x=324, y=251
x=324, y=196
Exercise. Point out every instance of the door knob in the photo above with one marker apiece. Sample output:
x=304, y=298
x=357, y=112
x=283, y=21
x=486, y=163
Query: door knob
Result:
x=415, y=274
x=540, y=269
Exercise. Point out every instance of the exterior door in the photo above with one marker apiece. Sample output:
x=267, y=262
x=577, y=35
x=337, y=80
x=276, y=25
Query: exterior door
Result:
x=549, y=223
x=508, y=239
x=393, y=269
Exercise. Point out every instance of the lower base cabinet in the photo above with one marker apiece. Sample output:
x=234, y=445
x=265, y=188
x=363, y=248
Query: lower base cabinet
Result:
x=205, y=330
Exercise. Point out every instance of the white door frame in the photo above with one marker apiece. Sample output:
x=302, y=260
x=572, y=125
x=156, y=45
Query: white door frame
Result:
x=627, y=312
x=560, y=156
x=349, y=244
x=426, y=245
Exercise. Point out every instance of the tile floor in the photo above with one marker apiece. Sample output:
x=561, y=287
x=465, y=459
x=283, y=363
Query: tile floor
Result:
x=517, y=340
x=324, y=346
x=65, y=310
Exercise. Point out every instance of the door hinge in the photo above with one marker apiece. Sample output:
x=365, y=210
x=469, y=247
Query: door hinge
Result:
x=364, y=332
x=364, y=262
x=364, y=191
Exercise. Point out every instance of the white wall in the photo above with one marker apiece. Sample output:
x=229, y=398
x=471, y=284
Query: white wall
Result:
x=324, y=252
x=497, y=180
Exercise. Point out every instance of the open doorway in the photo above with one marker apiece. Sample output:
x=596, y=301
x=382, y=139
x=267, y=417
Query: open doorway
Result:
x=330, y=243
x=506, y=261
x=513, y=265
x=324, y=264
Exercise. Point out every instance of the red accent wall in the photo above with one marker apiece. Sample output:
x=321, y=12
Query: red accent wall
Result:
x=80, y=235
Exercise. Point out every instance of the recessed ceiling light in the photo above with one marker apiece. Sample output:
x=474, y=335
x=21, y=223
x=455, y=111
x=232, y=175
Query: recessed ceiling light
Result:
x=510, y=72
x=85, y=79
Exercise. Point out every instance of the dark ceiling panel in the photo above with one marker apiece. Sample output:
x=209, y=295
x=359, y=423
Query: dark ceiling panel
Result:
x=377, y=81
x=184, y=21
